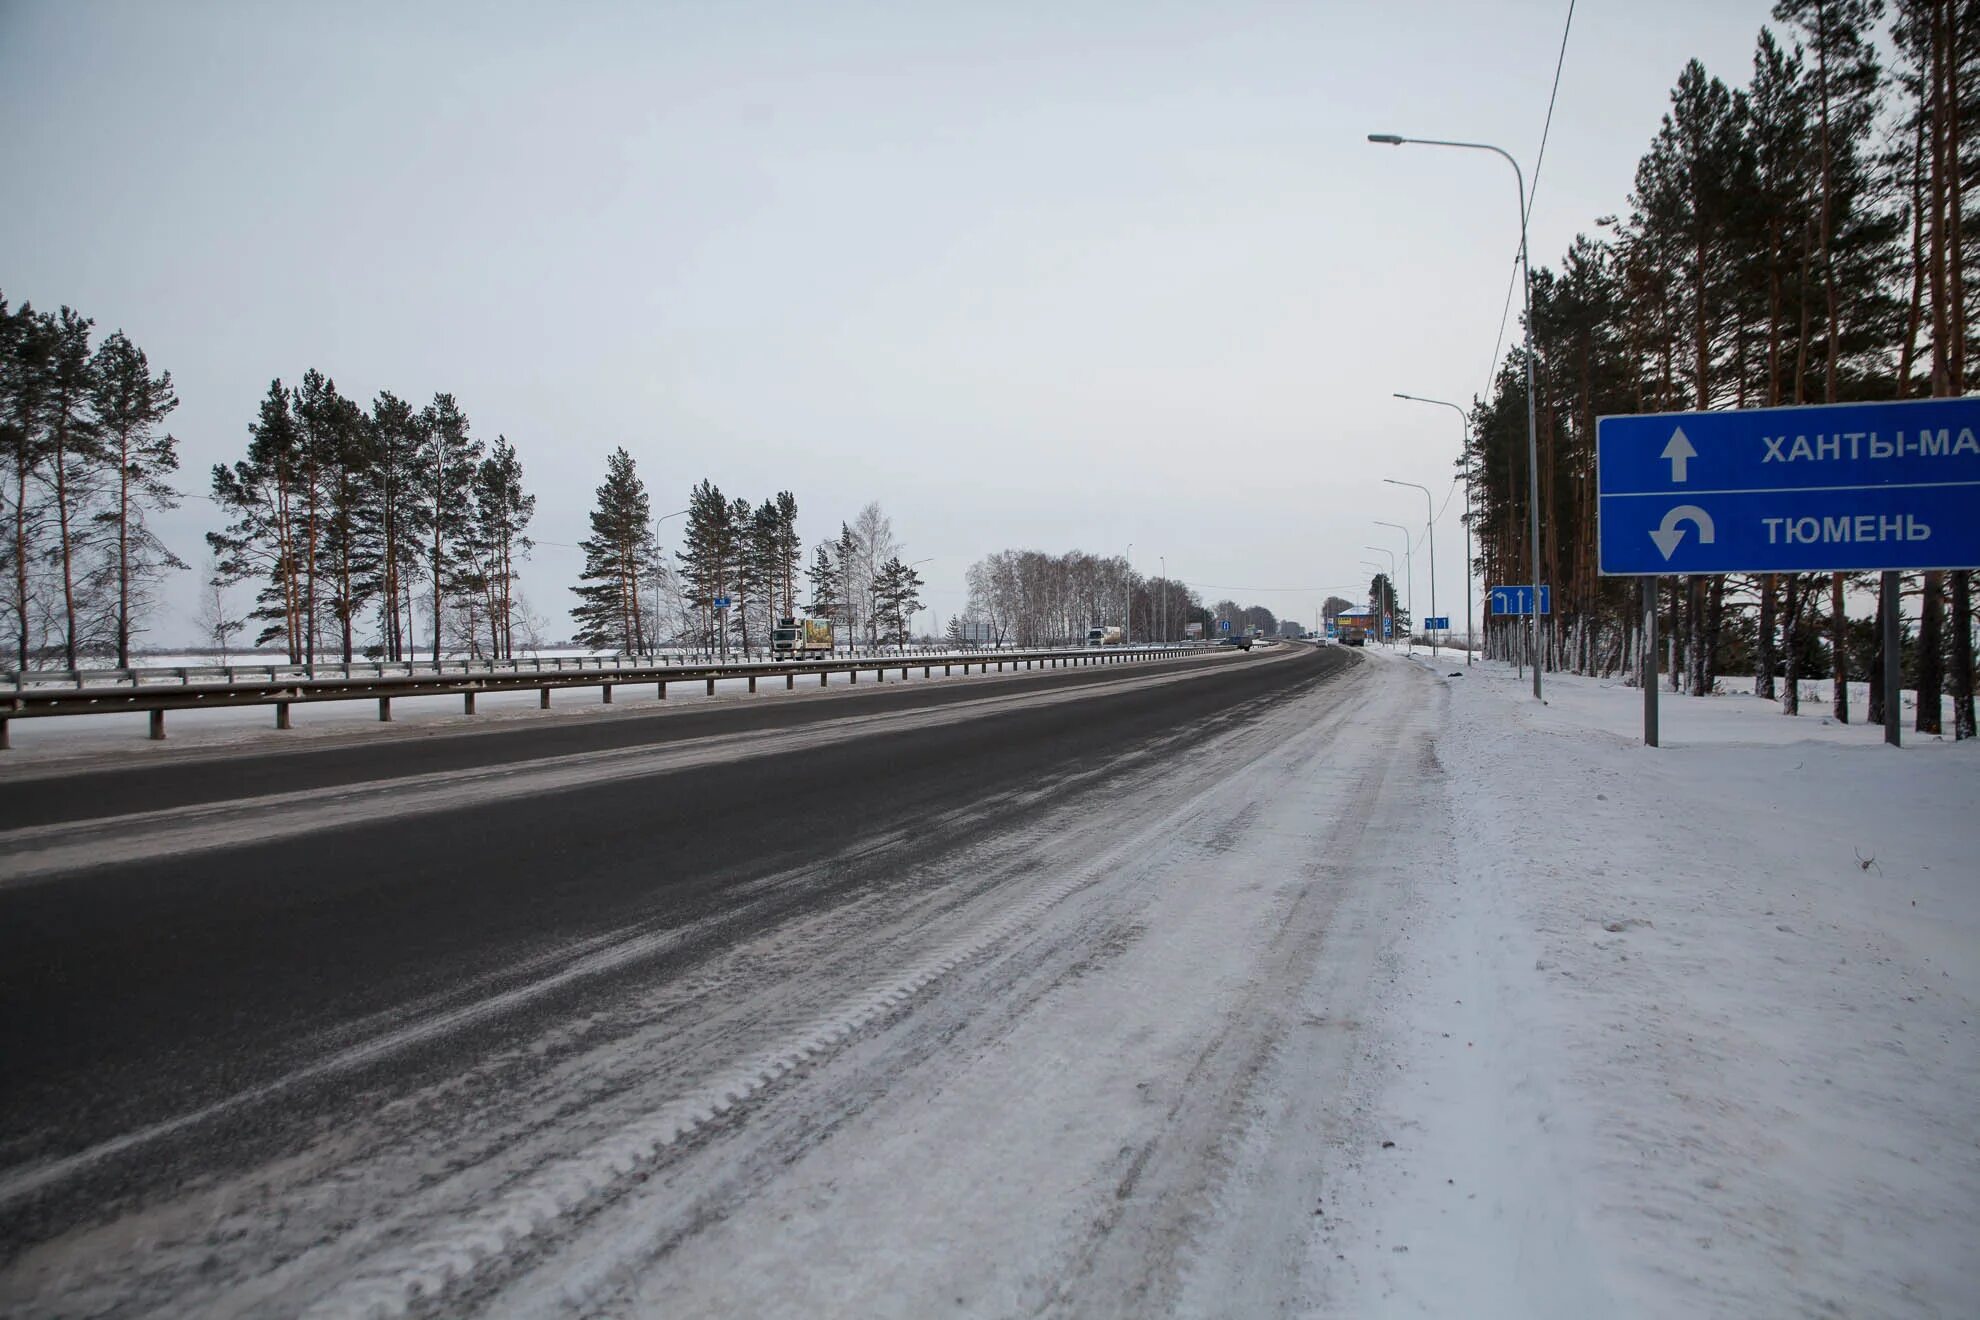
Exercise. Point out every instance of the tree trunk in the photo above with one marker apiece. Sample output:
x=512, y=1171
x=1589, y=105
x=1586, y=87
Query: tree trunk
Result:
x=123, y=551
x=1791, y=636
x=1839, y=650
x=1931, y=656
x=21, y=561
x=1962, y=654
x=68, y=551
x=1876, y=675
x=1695, y=637
x=1763, y=664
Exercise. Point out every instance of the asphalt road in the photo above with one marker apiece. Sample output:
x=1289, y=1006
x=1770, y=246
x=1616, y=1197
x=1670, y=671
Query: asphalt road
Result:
x=174, y=1018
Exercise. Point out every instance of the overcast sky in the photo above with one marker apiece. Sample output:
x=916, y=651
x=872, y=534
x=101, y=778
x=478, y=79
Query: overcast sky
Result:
x=1030, y=275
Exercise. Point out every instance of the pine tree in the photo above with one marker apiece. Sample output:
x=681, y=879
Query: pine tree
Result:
x=824, y=578
x=502, y=510
x=763, y=566
x=448, y=457
x=130, y=406
x=608, y=612
x=259, y=493
x=27, y=343
x=390, y=560
x=708, y=561
x=789, y=548
x=746, y=580
x=896, y=597
x=74, y=458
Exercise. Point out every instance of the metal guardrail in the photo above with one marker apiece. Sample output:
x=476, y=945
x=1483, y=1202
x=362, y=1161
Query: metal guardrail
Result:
x=156, y=691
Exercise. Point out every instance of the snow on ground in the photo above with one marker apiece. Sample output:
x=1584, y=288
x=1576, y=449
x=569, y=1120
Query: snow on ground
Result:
x=1686, y=1031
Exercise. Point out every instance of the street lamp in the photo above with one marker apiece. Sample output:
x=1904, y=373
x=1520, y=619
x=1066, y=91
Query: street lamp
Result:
x=1127, y=602
x=1532, y=428
x=1391, y=593
x=1164, y=560
x=931, y=609
x=1430, y=518
x=1465, y=448
x=1409, y=581
x=656, y=574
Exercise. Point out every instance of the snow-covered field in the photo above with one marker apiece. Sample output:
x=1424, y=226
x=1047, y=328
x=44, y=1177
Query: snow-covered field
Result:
x=1689, y=1031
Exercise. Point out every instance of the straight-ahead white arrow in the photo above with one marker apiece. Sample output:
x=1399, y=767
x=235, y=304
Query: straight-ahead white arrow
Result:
x=1680, y=452
x=1669, y=534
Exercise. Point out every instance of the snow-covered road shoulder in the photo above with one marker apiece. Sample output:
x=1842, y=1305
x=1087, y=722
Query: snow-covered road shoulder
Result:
x=1688, y=1031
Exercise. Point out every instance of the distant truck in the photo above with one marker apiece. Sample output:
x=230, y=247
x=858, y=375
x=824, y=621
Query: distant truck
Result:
x=1351, y=636
x=1103, y=637
x=799, y=638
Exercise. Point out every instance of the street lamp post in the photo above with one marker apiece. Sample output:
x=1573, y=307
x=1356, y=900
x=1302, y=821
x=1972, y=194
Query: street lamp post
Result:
x=1430, y=521
x=1409, y=585
x=1465, y=449
x=1532, y=428
x=931, y=611
x=1127, y=600
x=1391, y=593
x=1165, y=598
x=678, y=513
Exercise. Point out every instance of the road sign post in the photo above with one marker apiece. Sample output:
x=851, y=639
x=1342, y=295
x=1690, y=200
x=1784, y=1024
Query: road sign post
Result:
x=1649, y=662
x=1833, y=488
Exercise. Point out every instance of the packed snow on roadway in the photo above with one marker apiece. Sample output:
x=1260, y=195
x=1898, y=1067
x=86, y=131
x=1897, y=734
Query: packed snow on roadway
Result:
x=1399, y=995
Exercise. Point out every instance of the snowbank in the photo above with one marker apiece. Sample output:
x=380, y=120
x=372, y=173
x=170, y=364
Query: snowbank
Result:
x=1688, y=1031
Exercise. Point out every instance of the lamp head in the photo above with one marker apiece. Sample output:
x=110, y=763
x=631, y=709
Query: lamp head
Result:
x=1386, y=139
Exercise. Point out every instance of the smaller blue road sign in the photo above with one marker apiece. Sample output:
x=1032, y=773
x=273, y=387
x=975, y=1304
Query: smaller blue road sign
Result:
x=1519, y=600
x=721, y=602
x=1438, y=623
x=1223, y=625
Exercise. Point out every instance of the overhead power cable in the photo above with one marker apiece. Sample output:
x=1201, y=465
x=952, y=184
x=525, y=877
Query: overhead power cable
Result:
x=1560, y=62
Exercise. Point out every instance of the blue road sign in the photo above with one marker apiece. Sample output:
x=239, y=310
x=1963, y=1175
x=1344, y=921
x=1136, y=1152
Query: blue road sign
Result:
x=1519, y=600
x=1437, y=623
x=1223, y=625
x=721, y=602
x=1832, y=488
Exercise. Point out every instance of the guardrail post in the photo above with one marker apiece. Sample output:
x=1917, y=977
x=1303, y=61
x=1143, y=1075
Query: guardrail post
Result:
x=543, y=699
x=663, y=689
x=790, y=682
x=6, y=734
x=924, y=671
x=824, y=677
x=606, y=688
x=752, y=682
x=467, y=703
x=711, y=687
x=158, y=726
x=945, y=671
x=853, y=673
x=384, y=710
x=281, y=714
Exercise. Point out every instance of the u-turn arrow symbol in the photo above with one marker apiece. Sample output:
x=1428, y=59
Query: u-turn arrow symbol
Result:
x=1668, y=534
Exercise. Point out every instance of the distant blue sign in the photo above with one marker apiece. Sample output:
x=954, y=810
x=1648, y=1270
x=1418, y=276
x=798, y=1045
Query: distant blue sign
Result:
x=1437, y=623
x=721, y=602
x=1832, y=488
x=1519, y=600
x=1223, y=625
